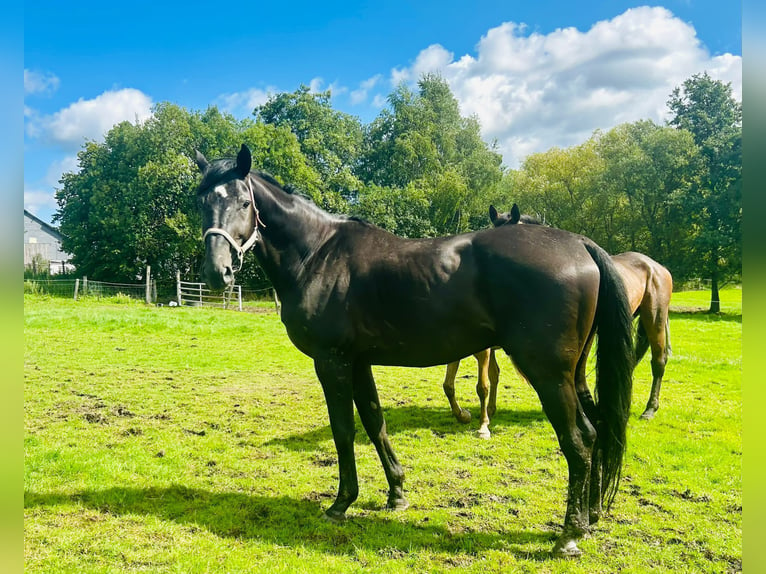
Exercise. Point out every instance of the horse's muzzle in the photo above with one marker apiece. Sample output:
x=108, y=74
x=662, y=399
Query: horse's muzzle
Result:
x=217, y=268
x=217, y=276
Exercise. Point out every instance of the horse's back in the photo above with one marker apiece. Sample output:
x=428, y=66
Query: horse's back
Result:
x=646, y=280
x=543, y=285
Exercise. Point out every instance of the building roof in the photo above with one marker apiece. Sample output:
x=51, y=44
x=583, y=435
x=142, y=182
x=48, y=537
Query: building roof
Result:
x=46, y=226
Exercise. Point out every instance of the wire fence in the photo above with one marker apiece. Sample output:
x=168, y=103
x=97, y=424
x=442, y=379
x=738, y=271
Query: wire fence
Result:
x=177, y=293
x=161, y=293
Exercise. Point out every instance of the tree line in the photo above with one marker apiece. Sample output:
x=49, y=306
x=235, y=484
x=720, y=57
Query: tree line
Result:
x=419, y=169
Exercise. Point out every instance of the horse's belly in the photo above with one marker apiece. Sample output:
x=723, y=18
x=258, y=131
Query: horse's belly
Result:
x=424, y=345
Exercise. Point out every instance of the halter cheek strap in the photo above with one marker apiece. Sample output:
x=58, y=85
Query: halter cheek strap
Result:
x=254, y=236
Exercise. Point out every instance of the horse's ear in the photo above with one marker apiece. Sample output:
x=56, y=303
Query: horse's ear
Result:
x=244, y=161
x=202, y=162
x=492, y=213
x=515, y=214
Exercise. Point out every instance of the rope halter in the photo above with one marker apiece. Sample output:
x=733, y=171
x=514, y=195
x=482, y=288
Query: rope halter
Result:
x=254, y=236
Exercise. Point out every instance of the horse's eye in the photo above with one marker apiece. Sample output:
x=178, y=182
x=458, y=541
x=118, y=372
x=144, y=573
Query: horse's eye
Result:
x=246, y=205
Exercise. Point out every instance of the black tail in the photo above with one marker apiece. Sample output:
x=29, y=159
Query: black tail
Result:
x=614, y=371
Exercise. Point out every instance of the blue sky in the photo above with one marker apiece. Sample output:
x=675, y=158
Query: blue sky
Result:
x=537, y=74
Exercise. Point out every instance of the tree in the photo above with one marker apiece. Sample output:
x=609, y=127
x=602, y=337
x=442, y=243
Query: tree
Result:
x=329, y=140
x=402, y=211
x=706, y=108
x=132, y=204
x=652, y=167
x=421, y=141
x=562, y=187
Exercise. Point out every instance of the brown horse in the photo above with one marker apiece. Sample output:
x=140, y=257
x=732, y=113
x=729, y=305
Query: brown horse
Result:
x=649, y=286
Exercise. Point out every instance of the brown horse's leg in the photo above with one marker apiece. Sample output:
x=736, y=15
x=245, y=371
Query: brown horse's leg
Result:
x=659, y=345
x=494, y=379
x=368, y=405
x=482, y=389
x=576, y=436
x=461, y=414
x=336, y=379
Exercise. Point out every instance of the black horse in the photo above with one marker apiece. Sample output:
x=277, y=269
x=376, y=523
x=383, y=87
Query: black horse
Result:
x=649, y=286
x=354, y=295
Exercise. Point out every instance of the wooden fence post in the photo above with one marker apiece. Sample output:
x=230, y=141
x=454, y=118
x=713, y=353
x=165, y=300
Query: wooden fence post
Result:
x=178, y=287
x=85, y=285
x=148, y=284
x=76, y=287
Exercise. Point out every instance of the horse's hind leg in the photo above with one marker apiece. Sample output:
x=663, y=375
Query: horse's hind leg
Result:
x=482, y=389
x=494, y=379
x=461, y=414
x=368, y=405
x=576, y=437
x=659, y=345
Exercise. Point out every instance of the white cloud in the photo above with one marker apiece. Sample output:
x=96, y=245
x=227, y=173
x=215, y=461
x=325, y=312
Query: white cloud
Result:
x=66, y=164
x=534, y=91
x=360, y=94
x=316, y=85
x=39, y=196
x=90, y=119
x=38, y=200
x=379, y=101
x=242, y=104
x=40, y=82
x=337, y=89
x=433, y=59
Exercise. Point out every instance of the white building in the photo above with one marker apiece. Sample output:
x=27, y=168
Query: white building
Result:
x=42, y=245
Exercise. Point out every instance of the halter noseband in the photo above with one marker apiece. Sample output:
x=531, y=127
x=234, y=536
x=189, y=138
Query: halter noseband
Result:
x=254, y=236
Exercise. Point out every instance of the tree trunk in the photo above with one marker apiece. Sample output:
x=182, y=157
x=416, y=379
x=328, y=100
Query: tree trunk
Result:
x=715, y=300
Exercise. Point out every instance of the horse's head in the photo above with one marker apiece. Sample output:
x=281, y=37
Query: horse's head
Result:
x=229, y=216
x=511, y=217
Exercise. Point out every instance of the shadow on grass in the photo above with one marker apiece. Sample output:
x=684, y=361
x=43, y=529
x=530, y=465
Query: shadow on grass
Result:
x=438, y=420
x=698, y=314
x=290, y=522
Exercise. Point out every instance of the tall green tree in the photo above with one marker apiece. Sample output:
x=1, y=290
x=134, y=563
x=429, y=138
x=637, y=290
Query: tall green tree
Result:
x=707, y=109
x=421, y=141
x=329, y=140
x=561, y=187
x=131, y=203
x=653, y=168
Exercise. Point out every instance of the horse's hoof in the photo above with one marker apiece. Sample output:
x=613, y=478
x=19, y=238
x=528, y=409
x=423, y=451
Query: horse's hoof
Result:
x=334, y=517
x=648, y=414
x=397, y=504
x=566, y=548
x=484, y=433
x=464, y=416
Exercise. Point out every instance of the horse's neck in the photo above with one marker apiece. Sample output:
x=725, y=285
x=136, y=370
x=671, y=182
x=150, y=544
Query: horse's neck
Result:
x=291, y=231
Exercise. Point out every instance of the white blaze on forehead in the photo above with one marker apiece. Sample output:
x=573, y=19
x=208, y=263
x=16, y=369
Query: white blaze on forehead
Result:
x=221, y=190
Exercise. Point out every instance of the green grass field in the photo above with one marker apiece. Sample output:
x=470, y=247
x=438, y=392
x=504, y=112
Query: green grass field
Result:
x=197, y=440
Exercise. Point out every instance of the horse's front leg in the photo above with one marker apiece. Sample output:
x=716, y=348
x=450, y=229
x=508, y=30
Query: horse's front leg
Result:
x=368, y=405
x=494, y=379
x=461, y=414
x=336, y=378
x=482, y=389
